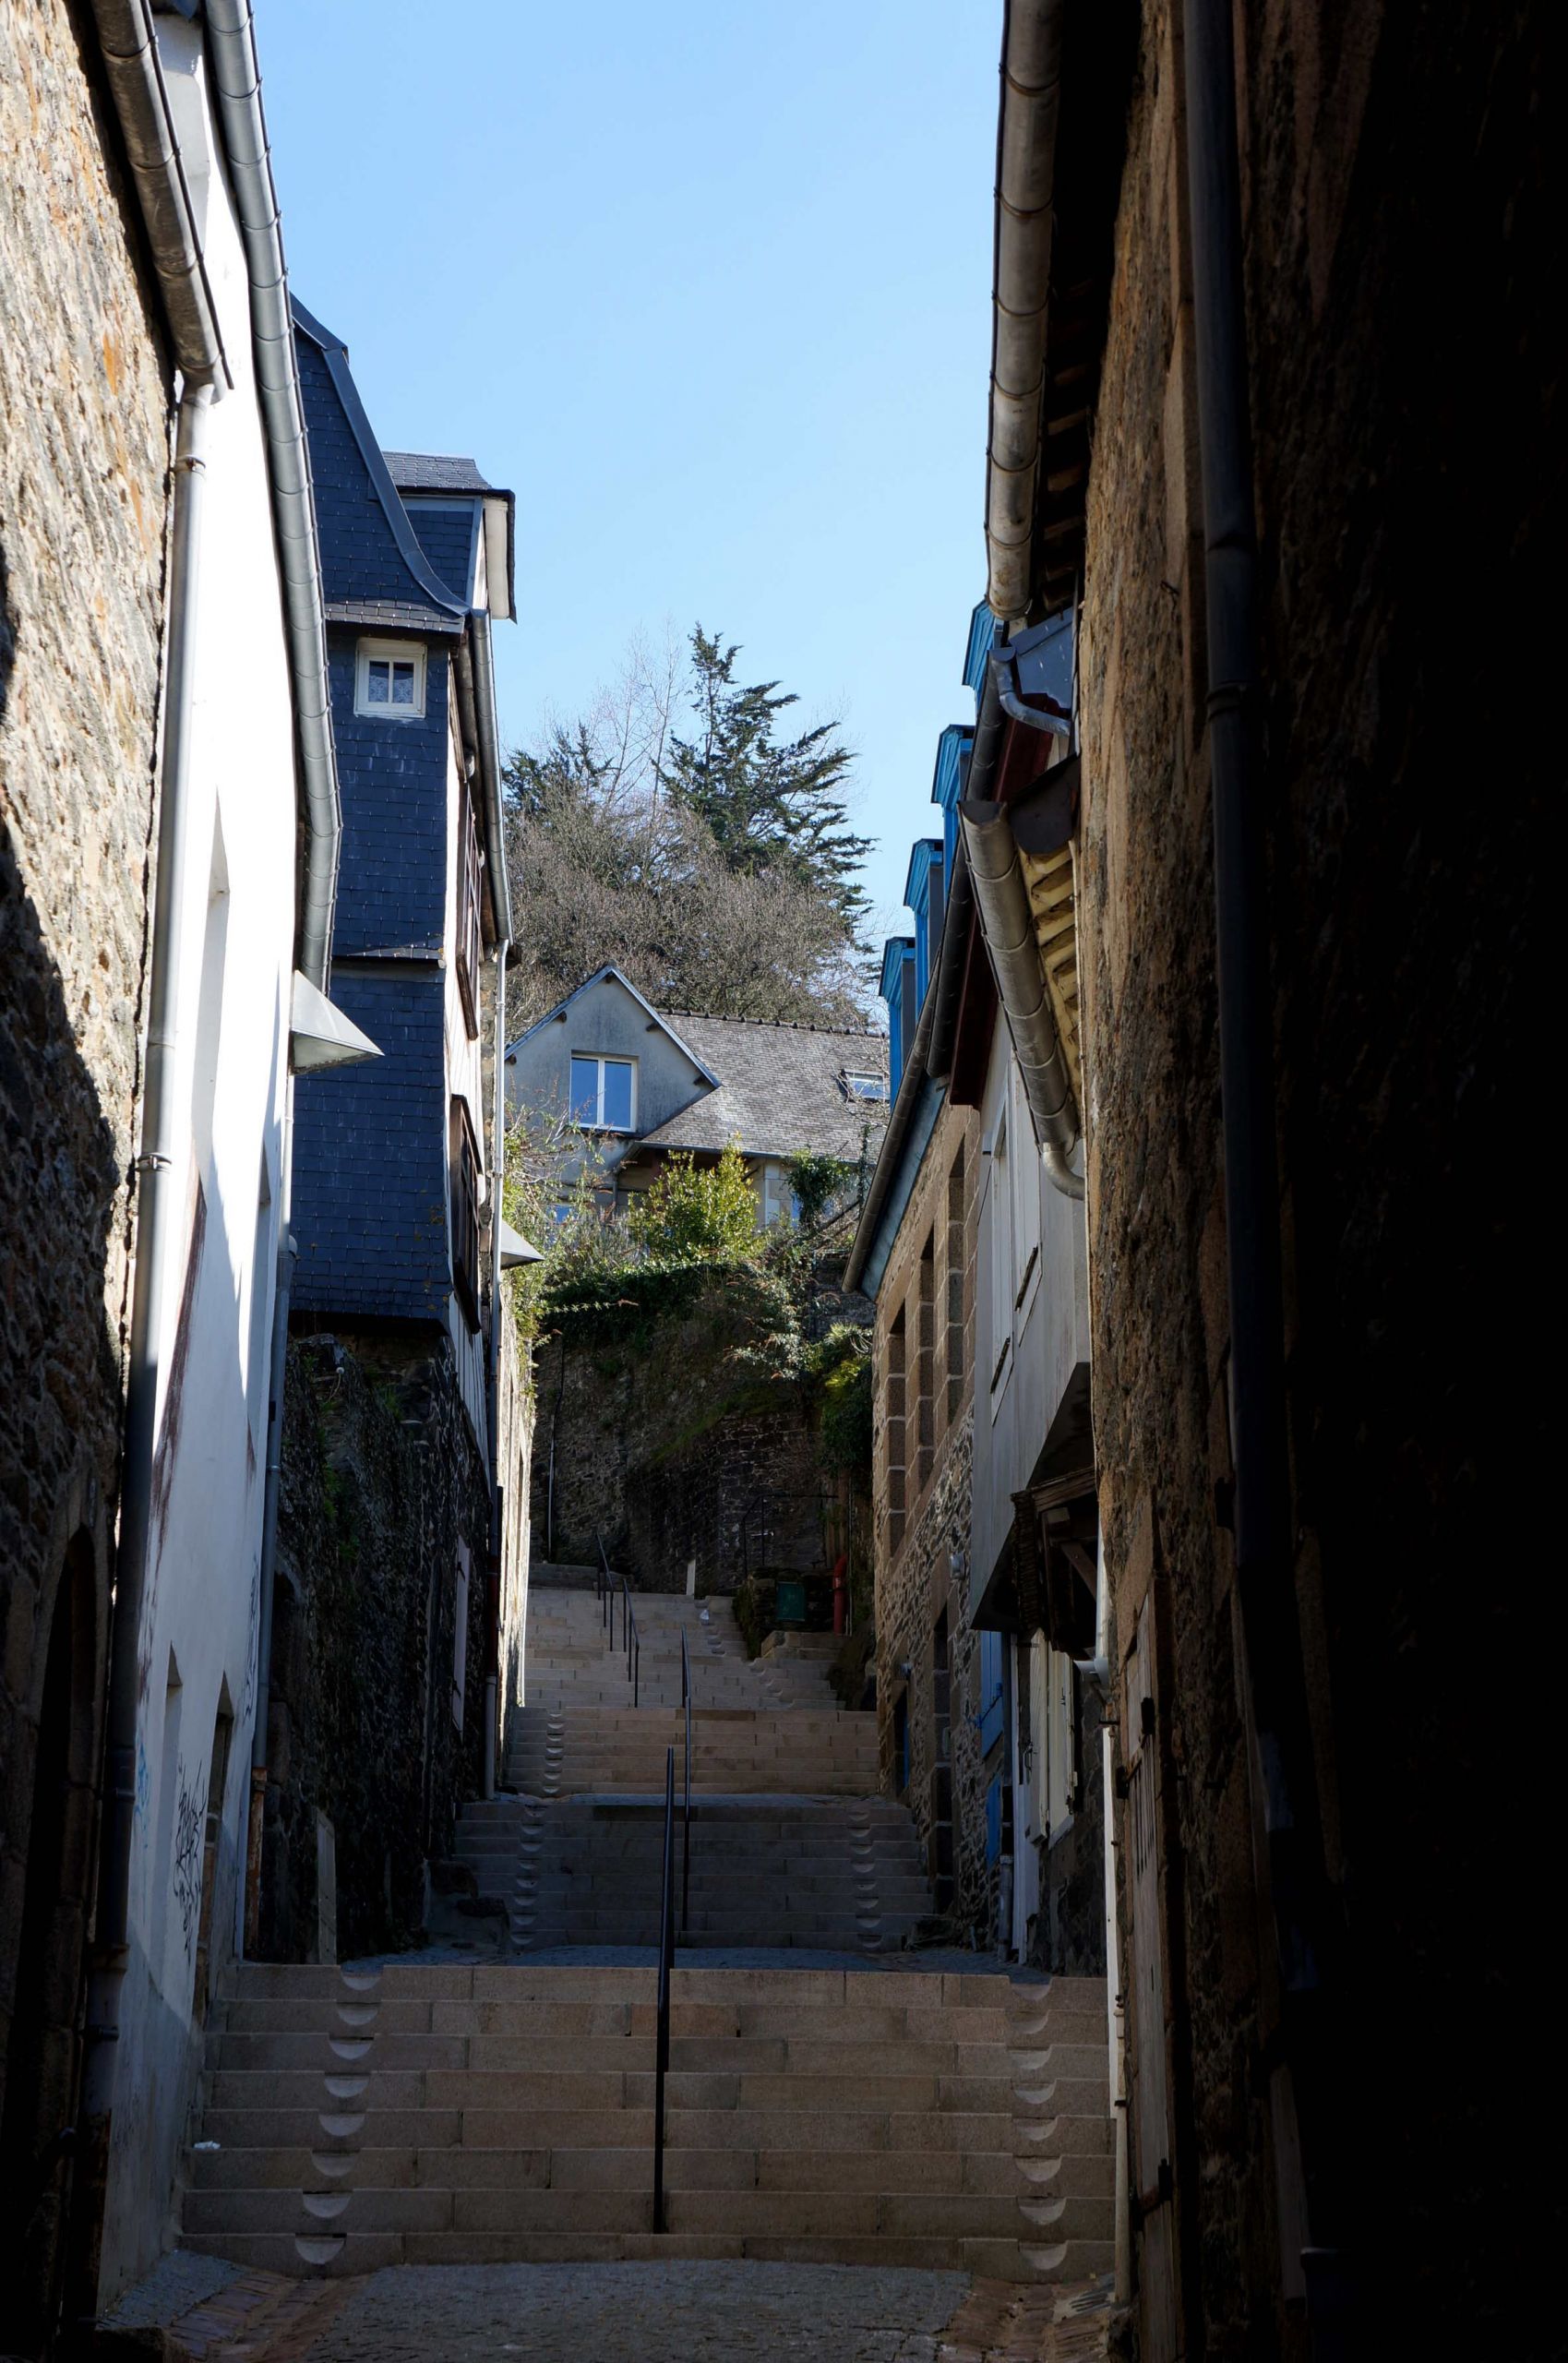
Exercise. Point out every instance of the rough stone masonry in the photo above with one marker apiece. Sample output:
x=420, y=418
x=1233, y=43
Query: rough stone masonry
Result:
x=83, y=481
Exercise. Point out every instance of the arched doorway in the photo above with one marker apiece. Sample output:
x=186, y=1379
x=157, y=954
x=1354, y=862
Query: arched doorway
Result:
x=44, y=2054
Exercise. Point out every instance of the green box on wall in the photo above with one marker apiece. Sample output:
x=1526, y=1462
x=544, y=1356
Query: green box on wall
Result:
x=789, y=1607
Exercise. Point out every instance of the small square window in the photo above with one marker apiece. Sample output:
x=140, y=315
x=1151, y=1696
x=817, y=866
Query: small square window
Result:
x=389, y=680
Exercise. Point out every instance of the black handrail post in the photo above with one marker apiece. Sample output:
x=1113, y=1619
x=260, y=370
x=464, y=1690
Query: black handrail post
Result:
x=685, y=1803
x=666, y=1967
x=636, y=1662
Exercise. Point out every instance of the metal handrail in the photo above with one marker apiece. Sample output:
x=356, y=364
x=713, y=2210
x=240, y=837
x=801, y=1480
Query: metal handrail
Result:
x=685, y=1802
x=604, y=1584
x=602, y=1588
x=666, y=1967
x=633, y=1643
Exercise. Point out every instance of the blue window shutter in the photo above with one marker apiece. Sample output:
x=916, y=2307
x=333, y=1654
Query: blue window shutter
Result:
x=990, y=1691
x=993, y=1821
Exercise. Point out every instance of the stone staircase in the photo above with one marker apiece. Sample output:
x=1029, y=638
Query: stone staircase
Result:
x=597, y=1751
x=571, y=1663
x=457, y=2114
x=782, y=1871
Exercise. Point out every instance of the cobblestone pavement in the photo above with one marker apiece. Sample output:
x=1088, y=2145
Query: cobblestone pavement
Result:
x=644, y=2313
x=686, y=2312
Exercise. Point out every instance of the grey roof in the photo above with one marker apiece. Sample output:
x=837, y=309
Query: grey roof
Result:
x=780, y=1089
x=436, y=471
x=682, y=1043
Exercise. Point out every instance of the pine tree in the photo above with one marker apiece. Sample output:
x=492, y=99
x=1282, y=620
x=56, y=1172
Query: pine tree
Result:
x=768, y=805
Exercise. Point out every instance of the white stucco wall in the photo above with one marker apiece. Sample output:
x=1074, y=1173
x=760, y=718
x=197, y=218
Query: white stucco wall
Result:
x=1047, y=1338
x=1049, y=1334
x=199, y=1636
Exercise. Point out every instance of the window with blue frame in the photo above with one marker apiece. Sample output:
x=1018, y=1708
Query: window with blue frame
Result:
x=990, y=1691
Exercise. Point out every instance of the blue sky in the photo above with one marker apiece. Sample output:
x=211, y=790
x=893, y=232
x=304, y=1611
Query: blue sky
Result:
x=708, y=284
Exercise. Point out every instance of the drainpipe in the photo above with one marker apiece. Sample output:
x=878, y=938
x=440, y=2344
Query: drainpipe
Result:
x=159, y=1197
x=1303, y=1908
x=481, y=672
x=288, y=1254
x=1003, y=902
x=1097, y=1671
x=230, y=42
x=497, y=1314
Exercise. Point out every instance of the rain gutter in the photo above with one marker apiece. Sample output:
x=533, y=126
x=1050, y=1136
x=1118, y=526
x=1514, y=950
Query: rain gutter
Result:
x=231, y=51
x=135, y=74
x=1007, y=923
x=1026, y=137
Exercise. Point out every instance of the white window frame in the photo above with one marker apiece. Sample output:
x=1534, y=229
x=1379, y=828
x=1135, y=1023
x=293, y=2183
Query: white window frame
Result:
x=382, y=651
x=861, y=1085
x=601, y=1059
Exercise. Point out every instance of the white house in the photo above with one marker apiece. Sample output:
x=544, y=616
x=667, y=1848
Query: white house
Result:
x=244, y=877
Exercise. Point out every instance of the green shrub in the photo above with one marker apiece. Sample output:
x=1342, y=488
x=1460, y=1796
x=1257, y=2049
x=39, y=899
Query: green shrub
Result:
x=697, y=1214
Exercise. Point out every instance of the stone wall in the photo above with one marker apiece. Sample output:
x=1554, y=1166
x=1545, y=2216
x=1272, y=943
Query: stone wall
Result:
x=382, y=1489
x=515, y=1456
x=83, y=478
x=681, y=1430
x=1409, y=509
x=946, y=1788
x=922, y=1453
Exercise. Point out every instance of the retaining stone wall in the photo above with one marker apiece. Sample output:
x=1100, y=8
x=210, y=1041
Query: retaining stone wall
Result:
x=666, y=1439
x=381, y=1481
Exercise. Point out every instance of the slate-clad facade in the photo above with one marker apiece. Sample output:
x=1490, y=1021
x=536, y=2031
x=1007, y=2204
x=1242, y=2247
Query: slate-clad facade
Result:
x=397, y=1290
x=370, y=1164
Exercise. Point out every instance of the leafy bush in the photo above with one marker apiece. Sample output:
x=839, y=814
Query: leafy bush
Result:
x=821, y=1186
x=840, y=1366
x=697, y=1214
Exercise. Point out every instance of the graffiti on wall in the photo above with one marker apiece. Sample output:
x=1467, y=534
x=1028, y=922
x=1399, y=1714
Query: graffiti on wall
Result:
x=186, y=1881
x=255, y=1649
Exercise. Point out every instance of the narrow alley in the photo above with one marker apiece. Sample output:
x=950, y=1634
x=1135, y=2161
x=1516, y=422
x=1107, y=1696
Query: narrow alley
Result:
x=775, y=1026
x=834, y=2100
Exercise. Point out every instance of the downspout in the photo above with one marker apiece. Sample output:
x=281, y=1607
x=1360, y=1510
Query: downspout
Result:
x=483, y=691
x=1003, y=900
x=231, y=53
x=288, y=1253
x=1304, y=1908
x=498, y=1310
x=1097, y=1671
x=160, y=1196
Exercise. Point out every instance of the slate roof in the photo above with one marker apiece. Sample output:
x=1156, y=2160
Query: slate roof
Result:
x=373, y=569
x=437, y=471
x=780, y=1089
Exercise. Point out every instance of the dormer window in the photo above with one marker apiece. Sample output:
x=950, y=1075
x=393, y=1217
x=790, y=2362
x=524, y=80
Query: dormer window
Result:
x=389, y=680
x=866, y=1087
